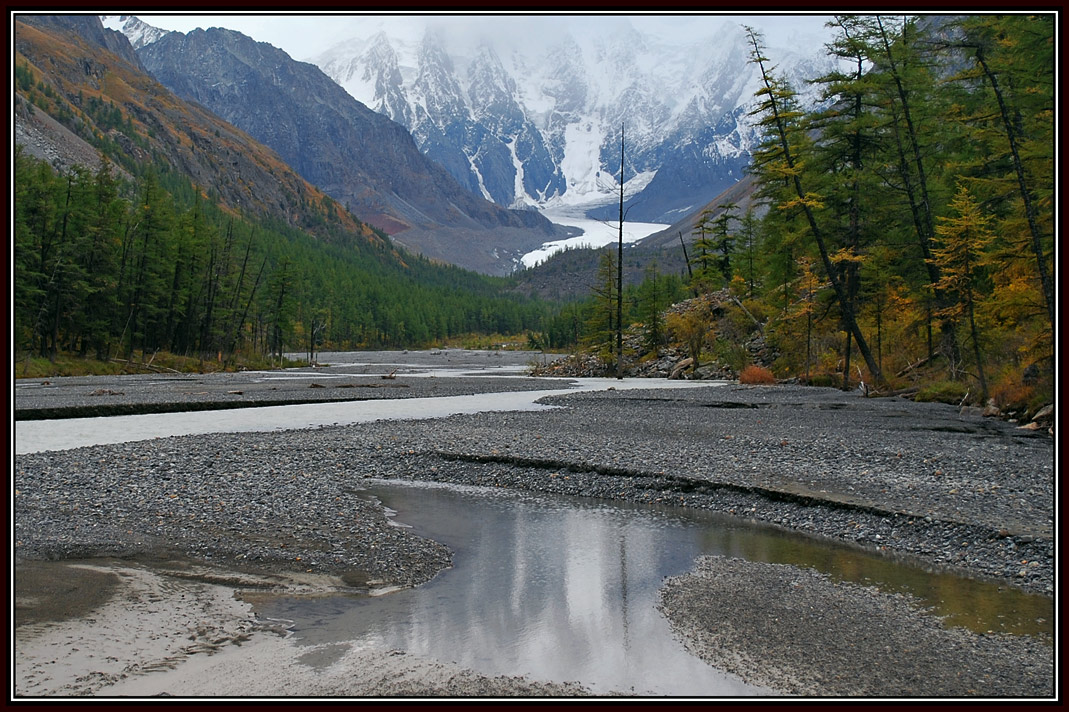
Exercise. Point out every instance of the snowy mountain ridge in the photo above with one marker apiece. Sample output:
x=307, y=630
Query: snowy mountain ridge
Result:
x=138, y=32
x=536, y=120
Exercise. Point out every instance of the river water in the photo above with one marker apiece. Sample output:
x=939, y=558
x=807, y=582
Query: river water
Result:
x=41, y=435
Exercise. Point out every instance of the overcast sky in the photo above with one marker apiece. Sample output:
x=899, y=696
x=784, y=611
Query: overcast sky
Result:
x=304, y=36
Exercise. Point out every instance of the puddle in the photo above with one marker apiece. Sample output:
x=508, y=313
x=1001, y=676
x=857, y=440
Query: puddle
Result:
x=565, y=589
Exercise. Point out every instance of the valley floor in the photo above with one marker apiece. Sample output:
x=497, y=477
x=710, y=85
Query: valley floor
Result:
x=128, y=557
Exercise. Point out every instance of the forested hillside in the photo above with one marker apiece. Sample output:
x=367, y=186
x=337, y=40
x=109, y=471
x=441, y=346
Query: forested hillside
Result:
x=164, y=228
x=104, y=272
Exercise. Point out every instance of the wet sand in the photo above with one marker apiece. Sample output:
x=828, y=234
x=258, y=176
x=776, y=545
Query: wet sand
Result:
x=56, y=591
x=117, y=629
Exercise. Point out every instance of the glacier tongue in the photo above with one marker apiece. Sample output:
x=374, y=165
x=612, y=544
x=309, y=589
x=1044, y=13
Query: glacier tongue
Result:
x=596, y=233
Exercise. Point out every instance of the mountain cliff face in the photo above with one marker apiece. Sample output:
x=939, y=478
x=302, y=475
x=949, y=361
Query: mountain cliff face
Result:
x=539, y=124
x=91, y=30
x=364, y=160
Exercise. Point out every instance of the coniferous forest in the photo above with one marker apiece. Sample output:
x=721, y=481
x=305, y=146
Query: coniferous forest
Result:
x=106, y=269
x=907, y=232
x=914, y=212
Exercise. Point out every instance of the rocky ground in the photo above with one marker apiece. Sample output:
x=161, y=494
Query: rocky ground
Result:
x=917, y=480
x=341, y=377
x=805, y=634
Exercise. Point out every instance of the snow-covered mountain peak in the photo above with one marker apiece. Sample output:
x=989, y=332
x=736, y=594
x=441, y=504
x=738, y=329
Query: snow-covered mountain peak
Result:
x=536, y=118
x=528, y=110
x=138, y=32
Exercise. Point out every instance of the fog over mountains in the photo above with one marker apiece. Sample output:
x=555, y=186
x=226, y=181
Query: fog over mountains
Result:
x=536, y=119
x=362, y=159
x=522, y=113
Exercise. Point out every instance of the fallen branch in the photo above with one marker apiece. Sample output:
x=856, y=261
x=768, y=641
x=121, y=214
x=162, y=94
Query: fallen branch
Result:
x=760, y=327
x=154, y=369
x=912, y=366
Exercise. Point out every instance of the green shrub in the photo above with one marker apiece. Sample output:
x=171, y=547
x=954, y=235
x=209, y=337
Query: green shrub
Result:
x=825, y=380
x=731, y=354
x=950, y=392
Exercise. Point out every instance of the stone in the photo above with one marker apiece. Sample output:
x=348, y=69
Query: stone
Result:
x=1044, y=413
x=680, y=367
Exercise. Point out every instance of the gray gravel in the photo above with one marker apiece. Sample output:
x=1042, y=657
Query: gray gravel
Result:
x=807, y=635
x=886, y=474
x=344, y=377
x=917, y=480
x=893, y=475
x=225, y=500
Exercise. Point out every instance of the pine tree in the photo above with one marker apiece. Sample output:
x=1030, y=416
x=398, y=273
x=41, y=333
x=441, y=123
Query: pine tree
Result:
x=1014, y=56
x=703, y=259
x=909, y=107
x=747, y=250
x=724, y=240
x=653, y=298
x=601, y=319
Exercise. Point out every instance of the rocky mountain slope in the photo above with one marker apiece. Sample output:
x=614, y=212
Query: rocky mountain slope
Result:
x=364, y=160
x=81, y=93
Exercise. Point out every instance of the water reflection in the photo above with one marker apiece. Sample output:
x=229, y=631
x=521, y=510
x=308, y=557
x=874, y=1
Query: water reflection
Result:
x=539, y=587
x=566, y=589
x=980, y=606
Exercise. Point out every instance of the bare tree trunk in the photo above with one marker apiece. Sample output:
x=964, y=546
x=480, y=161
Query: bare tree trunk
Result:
x=620, y=272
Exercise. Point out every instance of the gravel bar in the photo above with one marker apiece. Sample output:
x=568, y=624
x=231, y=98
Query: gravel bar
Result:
x=868, y=643
x=358, y=376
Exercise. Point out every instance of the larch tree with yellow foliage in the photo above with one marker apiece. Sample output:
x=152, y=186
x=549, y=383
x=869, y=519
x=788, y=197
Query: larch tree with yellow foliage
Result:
x=959, y=252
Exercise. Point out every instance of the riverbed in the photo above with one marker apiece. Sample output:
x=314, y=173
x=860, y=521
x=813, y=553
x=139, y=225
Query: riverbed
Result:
x=245, y=502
